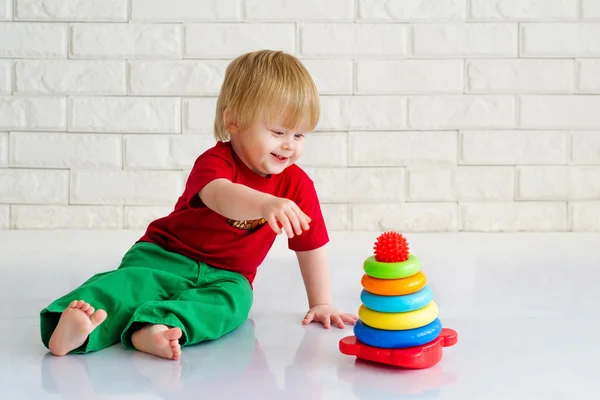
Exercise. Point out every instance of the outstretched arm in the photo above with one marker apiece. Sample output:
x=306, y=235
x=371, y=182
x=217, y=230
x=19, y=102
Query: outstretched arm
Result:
x=314, y=266
x=239, y=202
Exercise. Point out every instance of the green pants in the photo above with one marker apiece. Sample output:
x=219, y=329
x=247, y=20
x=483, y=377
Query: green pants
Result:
x=154, y=286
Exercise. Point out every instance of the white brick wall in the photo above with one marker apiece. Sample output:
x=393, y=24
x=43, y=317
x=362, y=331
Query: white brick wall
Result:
x=437, y=115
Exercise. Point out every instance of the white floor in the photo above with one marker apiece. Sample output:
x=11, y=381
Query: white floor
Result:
x=525, y=307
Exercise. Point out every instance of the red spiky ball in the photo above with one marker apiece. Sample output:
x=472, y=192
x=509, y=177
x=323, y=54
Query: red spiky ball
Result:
x=391, y=247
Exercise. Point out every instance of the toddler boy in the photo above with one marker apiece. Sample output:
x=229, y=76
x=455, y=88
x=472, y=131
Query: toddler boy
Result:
x=189, y=277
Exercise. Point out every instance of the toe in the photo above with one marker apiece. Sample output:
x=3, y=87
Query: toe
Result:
x=176, y=348
x=90, y=311
x=98, y=317
x=85, y=307
x=173, y=333
x=80, y=304
x=73, y=304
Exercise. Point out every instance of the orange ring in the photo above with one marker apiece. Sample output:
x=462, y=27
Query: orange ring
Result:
x=394, y=287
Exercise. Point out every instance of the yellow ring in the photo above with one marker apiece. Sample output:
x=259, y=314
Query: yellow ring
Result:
x=399, y=321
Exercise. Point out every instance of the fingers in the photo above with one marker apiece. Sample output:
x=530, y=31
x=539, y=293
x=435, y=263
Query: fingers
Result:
x=310, y=316
x=295, y=221
x=326, y=321
x=272, y=221
x=285, y=223
x=337, y=320
x=302, y=218
x=350, y=319
x=287, y=217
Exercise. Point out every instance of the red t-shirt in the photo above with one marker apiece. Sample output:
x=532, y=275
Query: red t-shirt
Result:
x=194, y=230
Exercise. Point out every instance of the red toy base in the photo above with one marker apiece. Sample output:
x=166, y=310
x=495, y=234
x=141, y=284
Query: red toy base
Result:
x=419, y=357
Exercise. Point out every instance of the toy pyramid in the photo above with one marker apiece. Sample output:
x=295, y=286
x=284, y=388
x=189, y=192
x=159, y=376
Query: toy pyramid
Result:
x=398, y=319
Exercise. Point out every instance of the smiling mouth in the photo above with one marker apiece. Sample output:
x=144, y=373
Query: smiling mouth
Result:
x=279, y=158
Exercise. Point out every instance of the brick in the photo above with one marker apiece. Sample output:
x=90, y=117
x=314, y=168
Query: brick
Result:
x=38, y=113
x=70, y=77
x=131, y=114
x=524, y=10
x=231, y=40
x=409, y=76
x=585, y=148
x=199, y=115
x=461, y=184
x=5, y=77
x=337, y=217
x=585, y=216
x=584, y=183
x=6, y=10
x=325, y=149
x=348, y=40
x=165, y=151
x=542, y=183
x=590, y=10
x=4, y=217
x=335, y=185
x=126, y=187
x=33, y=40
x=188, y=77
x=139, y=217
x=331, y=76
x=411, y=10
x=402, y=148
x=560, y=40
x=405, y=217
x=66, y=217
x=362, y=112
x=299, y=10
x=184, y=10
x=587, y=76
x=559, y=112
x=65, y=150
x=126, y=41
x=512, y=217
x=559, y=183
x=461, y=112
x=34, y=186
x=3, y=149
x=520, y=76
x=72, y=10
x=513, y=147
x=464, y=40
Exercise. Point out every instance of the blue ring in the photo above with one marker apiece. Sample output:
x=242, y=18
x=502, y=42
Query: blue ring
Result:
x=396, y=304
x=397, y=339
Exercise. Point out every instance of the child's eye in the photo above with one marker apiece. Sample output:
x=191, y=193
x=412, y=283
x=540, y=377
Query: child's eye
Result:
x=299, y=135
x=278, y=133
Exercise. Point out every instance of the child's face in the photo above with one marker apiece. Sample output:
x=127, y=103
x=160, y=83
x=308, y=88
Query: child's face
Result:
x=267, y=148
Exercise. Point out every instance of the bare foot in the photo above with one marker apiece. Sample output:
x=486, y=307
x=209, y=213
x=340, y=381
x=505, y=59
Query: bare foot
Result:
x=158, y=340
x=75, y=325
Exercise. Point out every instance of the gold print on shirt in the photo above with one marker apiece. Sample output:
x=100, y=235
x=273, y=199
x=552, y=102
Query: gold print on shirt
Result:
x=250, y=225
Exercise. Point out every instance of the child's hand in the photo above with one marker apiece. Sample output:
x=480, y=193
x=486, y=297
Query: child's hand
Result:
x=327, y=315
x=288, y=214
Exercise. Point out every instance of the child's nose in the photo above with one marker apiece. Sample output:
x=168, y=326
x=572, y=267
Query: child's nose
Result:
x=288, y=145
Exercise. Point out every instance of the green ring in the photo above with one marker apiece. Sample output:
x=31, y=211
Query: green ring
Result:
x=399, y=270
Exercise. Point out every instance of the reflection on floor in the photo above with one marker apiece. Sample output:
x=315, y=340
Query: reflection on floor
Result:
x=525, y=307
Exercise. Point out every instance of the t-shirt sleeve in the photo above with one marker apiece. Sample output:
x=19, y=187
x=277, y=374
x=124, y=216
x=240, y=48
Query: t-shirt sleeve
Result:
x=306, y=198
x=207, y=168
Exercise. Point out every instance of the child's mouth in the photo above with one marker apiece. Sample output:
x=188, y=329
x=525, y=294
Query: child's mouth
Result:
x=279, y=158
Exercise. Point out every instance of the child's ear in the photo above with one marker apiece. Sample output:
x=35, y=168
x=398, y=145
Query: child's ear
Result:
x=230, y=125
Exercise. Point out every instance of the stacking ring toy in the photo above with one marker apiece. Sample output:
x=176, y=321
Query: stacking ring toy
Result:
x=397, y=339
x=386, y=270
x=394, y=287
x=397, y=304
x=399, y=321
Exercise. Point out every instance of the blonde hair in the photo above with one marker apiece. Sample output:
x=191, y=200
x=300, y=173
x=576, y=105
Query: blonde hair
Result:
x=267, y=85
